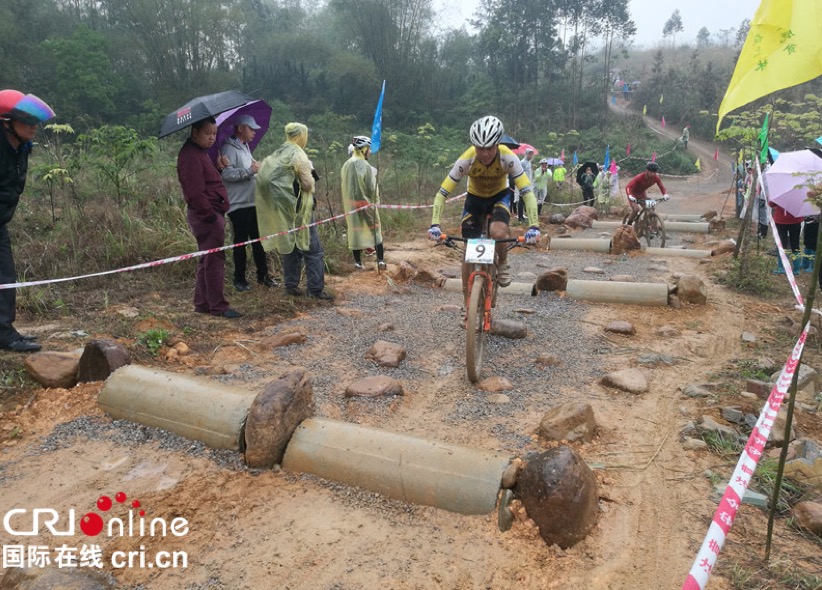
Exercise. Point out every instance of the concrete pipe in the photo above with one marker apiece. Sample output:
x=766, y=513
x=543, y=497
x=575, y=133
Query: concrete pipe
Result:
x=688, y=227
x=451, y=477
x=198, y=409
x=513, y=289
x=678, y=252
x=681, y=217
x=590, y=245
x=618, y=292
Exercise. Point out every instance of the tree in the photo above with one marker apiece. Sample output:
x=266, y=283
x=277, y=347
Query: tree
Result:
x=614, y=23
x=742, y=33
x=673, y=26
x=703, y=37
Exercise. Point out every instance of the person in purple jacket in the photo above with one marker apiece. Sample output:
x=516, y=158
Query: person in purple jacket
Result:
x=207, y=202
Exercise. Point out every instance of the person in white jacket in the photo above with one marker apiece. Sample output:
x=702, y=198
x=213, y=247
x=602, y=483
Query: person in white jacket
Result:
x=238, y=178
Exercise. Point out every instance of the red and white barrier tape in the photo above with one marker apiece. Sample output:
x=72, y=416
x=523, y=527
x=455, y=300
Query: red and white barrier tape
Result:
x=155, y=263
x=729, y=505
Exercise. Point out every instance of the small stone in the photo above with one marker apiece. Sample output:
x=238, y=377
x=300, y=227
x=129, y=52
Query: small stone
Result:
x=374, y=386
x=385, y=328
x=511, y=473
x=694, y=444
x=498, y=398
x=593, y=270
x=451, y=308
x=495, y=384
x=623, y=278
x=286, y=339
x=748, y=337
x=629, y=380
x=621, y=327
x=386, y=354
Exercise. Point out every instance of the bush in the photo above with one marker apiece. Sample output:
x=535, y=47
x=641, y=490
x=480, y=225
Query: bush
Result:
x=750, y=273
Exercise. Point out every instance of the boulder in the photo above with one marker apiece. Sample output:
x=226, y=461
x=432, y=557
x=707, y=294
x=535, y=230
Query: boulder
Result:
x=586, y=211
x=621, y=327
x=100, y=358
x=724, y=247
x=556, y=219
x=386, y=354
x=555, y=279
x=809, y=517
x=374, y=386
x=573, y=422
x=691, y=289
x=53, y=369
x=624, y=240
x=559, y=493
x=630, y=380
x=509, y=329
x=579, y=221
x=274, y=416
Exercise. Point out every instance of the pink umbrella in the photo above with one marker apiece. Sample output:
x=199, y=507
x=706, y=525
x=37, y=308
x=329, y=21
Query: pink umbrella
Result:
x=259, y=109
x=525, y=146
x=790, y=178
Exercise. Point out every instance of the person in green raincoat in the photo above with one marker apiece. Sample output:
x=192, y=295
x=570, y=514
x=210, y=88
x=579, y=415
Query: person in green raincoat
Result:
x=284, y=195
x=359, y=188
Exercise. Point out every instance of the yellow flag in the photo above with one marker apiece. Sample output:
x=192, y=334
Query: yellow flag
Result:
x=783, y=49
x=644, y=109
x=698, y=165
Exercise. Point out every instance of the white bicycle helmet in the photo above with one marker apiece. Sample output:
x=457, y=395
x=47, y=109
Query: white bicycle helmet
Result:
x=486, y=132
x=361, y=141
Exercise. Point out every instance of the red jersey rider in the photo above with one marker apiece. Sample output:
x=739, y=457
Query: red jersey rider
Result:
x=640, y=183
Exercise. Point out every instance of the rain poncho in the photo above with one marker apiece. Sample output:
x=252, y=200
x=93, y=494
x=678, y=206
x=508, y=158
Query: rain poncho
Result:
x=359, y=188
x=284, y=193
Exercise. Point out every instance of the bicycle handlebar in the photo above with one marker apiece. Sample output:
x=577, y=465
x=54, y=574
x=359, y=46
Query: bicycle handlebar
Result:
x=447, y=238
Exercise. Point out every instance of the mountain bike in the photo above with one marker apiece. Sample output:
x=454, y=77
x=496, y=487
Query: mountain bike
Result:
x=480, y=255
x=648, y=224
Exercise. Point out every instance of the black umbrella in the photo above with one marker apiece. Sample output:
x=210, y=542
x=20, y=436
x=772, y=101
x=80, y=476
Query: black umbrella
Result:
x=509, y=141
x=581, y=170
x=201, y=108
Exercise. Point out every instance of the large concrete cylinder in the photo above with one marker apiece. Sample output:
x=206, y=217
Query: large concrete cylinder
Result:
x=198, y=409
x=681, y=217
x=618, y=292
x=678, y=252
x=512, y=289
x=670, y=226
x=451, y=477
x=591, y=245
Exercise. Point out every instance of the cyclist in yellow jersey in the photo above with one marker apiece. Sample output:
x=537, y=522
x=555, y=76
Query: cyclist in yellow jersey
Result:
x=488, y=166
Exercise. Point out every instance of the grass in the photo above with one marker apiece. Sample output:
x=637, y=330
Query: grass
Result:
x=764, y=479
x=750, y=273
x=723, y=445
x=775, y=576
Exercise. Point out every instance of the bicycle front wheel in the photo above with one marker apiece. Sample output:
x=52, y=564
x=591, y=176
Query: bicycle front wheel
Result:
x=475, y=329
x=654, y=230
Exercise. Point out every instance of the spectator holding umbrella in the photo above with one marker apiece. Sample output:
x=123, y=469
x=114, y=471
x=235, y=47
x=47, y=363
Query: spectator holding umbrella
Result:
x=207, y=202
x=238, y=176
x=19, y=115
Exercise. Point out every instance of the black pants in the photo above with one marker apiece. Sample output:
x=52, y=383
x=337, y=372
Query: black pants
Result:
x=588, y=196
x=789, y=235
x=8, y=297
x=244, y=224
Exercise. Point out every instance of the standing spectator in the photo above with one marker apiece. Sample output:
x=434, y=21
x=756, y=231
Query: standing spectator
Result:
x=20, y=114
x=207, y=202
x=810, y=231
x=788, y=227
x=285, y=202
x=559, y=175
x=541, y=177
x=238, y=177
x=359, y=189
x=586, y=181
x=686, y=134
x=527, y=167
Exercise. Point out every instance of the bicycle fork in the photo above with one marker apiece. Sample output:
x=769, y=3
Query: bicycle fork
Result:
x=489, y=285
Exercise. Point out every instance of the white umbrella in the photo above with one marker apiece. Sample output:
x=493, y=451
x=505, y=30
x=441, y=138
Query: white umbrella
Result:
x=790, y=178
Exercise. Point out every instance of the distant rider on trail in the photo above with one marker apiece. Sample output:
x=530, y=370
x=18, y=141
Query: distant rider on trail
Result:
x=488, y=166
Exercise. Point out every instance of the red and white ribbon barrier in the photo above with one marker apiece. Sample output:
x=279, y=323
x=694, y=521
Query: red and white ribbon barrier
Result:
x=155, y=263
x=726, y=511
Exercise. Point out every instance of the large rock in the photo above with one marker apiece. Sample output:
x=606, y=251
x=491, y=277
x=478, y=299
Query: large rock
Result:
x=555, y=279
x=386, y=354
x=724, y=247
x=624, y=240
x=509, y=329
x=806, y=466
x=53, y=369
x=621, y=327
x=53, y=578
x=559, y=493
x=809, y=517
x=586, y=211
x=374, y=386
x=101, y=357
x=573, y=422
x=274, y=416
x=630, y=380
x=579, y=221
x=556, y=219
x=691, y=289
x=286, y=338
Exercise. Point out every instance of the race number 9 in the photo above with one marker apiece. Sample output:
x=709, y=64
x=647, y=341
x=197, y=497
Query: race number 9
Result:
x=480, y=251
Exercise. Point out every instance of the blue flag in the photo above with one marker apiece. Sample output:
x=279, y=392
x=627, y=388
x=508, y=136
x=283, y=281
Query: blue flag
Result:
x=576, y=160
x=819, y=140
x=376, y=130
x=607, y=157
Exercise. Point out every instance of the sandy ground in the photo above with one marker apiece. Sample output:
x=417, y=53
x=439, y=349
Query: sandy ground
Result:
x=251, y=530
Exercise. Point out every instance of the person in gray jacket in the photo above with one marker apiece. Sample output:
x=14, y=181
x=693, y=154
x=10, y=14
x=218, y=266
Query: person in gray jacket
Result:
x=238, y=178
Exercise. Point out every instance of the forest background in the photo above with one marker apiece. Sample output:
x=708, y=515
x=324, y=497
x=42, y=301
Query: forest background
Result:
x=103, y=191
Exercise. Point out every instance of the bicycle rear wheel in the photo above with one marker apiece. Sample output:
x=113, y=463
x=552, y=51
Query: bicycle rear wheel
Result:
x=654, y=230
x=475, y=329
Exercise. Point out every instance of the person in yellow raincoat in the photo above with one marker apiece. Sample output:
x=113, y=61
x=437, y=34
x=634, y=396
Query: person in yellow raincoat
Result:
x=359, y=188
x=284, y=195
